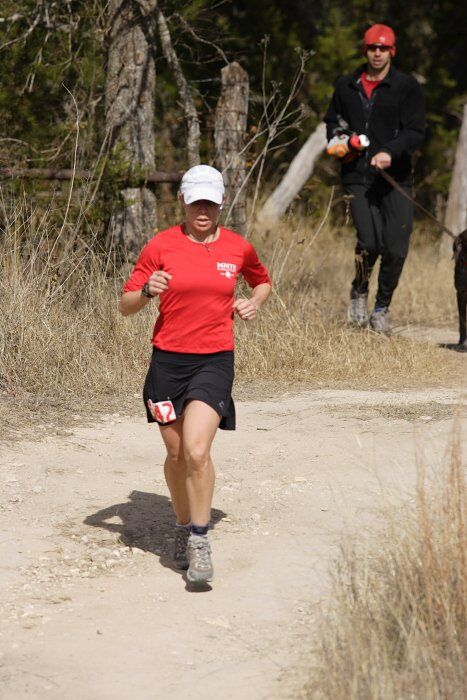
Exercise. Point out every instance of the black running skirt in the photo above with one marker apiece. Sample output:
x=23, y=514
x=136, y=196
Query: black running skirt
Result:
x=178, y=377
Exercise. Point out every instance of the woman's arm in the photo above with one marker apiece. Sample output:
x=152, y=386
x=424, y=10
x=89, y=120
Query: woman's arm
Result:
x=132, y=302
x=247, y=308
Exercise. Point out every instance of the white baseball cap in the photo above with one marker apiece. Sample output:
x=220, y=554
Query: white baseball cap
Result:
x=202, y=182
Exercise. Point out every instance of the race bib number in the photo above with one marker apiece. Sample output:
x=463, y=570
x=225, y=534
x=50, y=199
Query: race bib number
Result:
x=162, y=411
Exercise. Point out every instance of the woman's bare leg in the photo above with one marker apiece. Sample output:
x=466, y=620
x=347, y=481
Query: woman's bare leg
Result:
x=175, y=470
x=200, y=423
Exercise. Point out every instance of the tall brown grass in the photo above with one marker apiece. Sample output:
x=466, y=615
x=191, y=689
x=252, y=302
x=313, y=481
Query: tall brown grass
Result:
x=397, y=623
x=317, y=262
x=61, y=335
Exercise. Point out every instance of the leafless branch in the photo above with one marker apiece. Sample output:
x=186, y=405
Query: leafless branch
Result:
x=276, y=115
x=75, y=157
x=188, y=105
x=200, y=39
x=47, y=15
x=82, y=174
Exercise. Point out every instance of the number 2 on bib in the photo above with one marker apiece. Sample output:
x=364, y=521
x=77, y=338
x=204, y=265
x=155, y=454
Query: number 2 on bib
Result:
x=162, y=411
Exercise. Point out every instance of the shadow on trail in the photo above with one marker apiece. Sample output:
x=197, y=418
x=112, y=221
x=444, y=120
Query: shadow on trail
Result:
x=147, y=522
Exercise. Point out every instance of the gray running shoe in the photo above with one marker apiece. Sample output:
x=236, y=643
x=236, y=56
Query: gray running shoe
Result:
x=199, y=556
x=180, y=554
x=358, y=310
x=379, y=321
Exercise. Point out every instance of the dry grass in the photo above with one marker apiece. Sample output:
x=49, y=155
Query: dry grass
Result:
x=63, y=340
x=397, y=627
x=302, y=335
x=304, y=346
x=318, y=264
x=61, y=331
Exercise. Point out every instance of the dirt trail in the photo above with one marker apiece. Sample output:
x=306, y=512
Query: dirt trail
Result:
x=90, y=606
x=444, y=337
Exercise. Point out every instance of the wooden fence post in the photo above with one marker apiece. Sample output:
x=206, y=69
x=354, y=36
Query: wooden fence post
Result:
x=230, y=138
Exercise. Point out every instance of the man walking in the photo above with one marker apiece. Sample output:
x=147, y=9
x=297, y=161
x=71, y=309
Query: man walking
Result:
x=388, y=107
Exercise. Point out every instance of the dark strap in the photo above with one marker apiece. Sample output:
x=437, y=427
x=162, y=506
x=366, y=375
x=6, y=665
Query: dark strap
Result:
x=401, y=190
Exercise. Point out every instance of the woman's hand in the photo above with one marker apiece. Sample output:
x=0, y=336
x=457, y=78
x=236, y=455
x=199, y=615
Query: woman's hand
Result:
x=132, y=302
x=246, y=308
x=158, y=282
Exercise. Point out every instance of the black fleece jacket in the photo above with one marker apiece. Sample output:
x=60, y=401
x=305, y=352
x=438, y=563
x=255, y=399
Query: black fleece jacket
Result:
x=393, y=119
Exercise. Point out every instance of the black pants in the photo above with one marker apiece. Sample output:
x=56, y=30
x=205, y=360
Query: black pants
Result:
x=383, y=219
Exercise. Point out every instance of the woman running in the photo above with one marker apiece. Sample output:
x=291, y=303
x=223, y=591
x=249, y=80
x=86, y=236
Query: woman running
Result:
x=193, y=269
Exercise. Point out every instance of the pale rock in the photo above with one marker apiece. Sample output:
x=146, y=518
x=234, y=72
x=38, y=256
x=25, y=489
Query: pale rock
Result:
x=218, y=622
x=101, y=553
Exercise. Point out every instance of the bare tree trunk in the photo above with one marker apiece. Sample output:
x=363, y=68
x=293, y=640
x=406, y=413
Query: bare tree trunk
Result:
x=456, y=211
x=191, y=115
x=230, y=139
x=299, y=171
x=129, y=106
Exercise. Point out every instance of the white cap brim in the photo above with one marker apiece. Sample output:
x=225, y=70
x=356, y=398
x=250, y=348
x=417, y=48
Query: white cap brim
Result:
x=195, y=193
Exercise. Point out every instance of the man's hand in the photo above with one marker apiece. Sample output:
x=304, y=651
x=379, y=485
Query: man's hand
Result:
x=246, y=308
x=158, y=282
x=381, y=160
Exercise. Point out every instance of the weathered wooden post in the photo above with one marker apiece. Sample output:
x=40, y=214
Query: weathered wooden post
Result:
x=230, y=137
x=129, y=108
x=456, y=210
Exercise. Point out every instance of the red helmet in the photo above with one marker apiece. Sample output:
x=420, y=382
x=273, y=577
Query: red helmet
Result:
x=380, y=34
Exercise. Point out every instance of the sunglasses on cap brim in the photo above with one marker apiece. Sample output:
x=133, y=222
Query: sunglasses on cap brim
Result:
x=381, y=47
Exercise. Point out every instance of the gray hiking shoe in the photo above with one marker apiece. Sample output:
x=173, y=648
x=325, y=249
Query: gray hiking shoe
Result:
x=180, y=554
x=379, y=320
x=358, y=310
x=199, y=555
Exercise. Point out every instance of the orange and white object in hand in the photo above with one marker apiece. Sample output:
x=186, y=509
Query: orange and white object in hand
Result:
x=338, y=146
x=345, y=147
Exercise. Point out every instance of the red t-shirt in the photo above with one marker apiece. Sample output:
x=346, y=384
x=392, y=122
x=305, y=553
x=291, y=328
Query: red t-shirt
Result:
x=195, y=313
x=369, y=85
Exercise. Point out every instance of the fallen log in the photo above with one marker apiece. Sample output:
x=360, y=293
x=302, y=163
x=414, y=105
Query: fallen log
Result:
x=299, y=171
